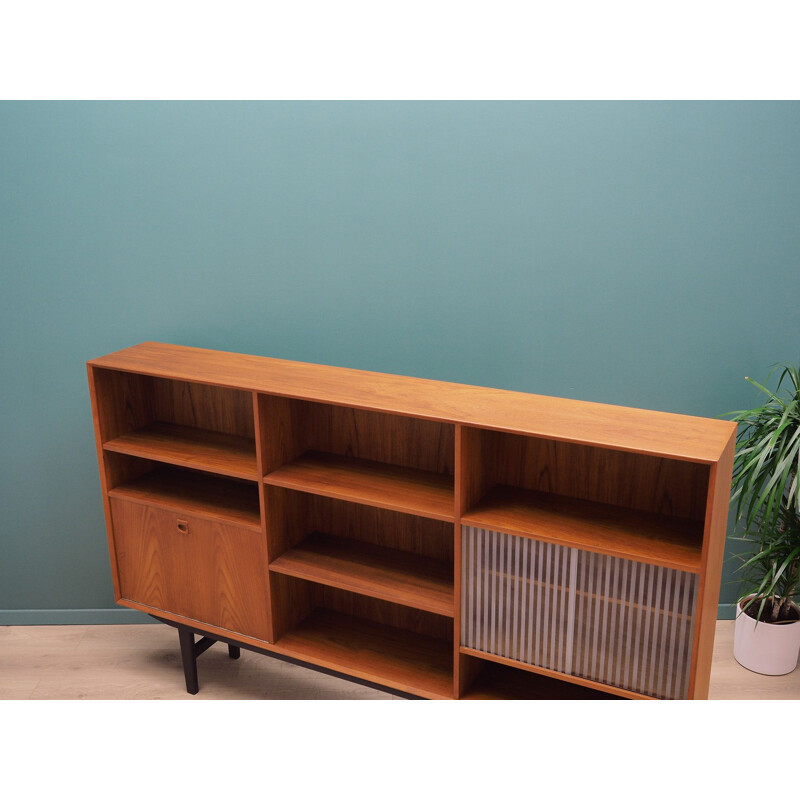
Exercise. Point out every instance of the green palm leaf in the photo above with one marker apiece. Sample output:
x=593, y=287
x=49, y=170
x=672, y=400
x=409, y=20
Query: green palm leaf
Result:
x=766, y=489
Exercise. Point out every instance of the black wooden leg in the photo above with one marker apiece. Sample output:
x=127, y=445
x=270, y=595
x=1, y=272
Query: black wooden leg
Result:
x=189, y=658
x=234, y=651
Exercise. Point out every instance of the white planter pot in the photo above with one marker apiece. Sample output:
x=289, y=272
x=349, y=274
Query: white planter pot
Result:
x=764, y=648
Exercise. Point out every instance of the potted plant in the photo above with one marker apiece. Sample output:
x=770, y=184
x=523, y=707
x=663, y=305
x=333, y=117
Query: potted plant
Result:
x=766, y=495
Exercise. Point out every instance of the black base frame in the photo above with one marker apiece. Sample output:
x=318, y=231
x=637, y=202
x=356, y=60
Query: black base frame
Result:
x=191, y=649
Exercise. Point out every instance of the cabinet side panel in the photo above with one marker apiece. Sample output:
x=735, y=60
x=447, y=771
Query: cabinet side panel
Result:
x=98, y=395
x=475, y=473
x=281, y=431
x=123, y=402
x=719, y=493
x=292, y=601
x=468, y=669
x=462, y=674
x=120, y=468
x=285, y=520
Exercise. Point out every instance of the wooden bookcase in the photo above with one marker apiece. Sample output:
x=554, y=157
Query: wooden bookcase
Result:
x=439, y=540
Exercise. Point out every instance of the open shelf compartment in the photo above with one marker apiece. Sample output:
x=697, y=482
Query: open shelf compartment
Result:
x=497, y=681
x=221, y=453
x=384, y=460
x=225, y=500
x=370, y=639
x=402, y=558
x=631, y=505
x=376, y=571
x=394, y=657
x=600, y=527
x=192, y=425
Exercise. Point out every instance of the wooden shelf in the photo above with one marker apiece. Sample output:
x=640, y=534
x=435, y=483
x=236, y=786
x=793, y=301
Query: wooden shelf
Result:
x=214, y=498
x=500, y=682
x=598, y=527
x=221, y=453
x=368, y=569
x=427, y=494
x=403, y=660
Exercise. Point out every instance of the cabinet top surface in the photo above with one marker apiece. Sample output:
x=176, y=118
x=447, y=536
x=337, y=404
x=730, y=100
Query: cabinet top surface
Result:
x=617, y=427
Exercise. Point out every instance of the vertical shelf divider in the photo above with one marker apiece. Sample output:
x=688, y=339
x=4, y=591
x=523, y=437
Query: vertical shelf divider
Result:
x=280, y=440
x=467, y=491
x=261, y=450
x=458, y=584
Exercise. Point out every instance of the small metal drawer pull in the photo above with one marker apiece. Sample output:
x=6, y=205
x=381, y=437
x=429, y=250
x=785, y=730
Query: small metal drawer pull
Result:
x=183, y=526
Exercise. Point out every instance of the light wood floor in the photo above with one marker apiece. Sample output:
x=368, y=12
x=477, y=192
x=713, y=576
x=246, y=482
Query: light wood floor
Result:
x=143, y=662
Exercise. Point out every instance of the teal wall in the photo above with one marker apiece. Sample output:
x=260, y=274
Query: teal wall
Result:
x=642, y=253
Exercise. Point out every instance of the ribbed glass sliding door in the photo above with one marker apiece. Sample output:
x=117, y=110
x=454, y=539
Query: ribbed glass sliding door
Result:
x=611, y=620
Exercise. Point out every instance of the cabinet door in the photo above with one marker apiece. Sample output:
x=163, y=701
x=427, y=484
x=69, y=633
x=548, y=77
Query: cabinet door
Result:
x=198, y=568
x=609, y=620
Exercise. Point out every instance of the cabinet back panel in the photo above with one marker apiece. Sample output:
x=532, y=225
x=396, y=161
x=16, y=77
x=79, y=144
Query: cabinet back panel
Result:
x=128, y=402
x=199, y=405
x=648, y=483
x=294, y=599
x=385, y=613
x=388, y=438
x=294, y=515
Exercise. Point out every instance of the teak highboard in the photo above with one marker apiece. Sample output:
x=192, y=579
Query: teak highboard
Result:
x=431, y=538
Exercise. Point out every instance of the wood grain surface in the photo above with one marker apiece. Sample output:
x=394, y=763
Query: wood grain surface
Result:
x=393, y=657
x=635, y=430
x=293, y=515
x=196, y=448
x=192, y=566
x=711, y=572
x=428, y=494
x=228, y=501
x=596, y=527
x=380, y=572
x=649, y=483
